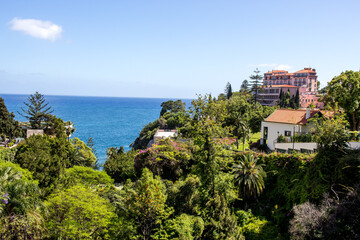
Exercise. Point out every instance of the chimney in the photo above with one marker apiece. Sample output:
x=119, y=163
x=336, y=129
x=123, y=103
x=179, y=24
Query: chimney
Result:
x=307, y=116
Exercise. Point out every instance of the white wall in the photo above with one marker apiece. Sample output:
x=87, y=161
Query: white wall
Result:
x=297, y=146
x=277, y=129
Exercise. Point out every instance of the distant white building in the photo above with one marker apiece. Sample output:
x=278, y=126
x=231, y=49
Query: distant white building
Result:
x=287, y=121
x=30, y=132
x=165, y=133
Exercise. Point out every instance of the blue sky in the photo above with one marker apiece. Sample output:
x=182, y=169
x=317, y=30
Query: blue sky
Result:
x=169, y=48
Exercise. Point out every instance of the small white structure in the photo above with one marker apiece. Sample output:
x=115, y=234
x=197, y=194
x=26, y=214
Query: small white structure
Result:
x=165, y=133
x=287, y=121
x=30, y=132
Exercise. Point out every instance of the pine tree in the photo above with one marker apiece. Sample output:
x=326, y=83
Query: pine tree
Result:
x=255, y=84
x=244, y=86
x=297, y=99
x=37, y=110
x=281, y=99
x=292, y=102
x=228, y=90
x=287, y=99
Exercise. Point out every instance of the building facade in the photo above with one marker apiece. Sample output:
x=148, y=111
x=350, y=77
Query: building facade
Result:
x=304, y=81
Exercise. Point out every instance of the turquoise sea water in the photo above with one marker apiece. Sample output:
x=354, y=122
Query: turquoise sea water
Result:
x=110, y=121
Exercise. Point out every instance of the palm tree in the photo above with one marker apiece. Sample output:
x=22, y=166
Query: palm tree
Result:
x=23, y=195
x=249, y=176
x=21, y=209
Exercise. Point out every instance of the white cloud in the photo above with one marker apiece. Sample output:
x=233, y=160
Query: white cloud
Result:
x=274, y=66
x=37, y=28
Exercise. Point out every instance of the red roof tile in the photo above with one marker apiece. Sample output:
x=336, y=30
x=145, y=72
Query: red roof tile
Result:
x=290, y=116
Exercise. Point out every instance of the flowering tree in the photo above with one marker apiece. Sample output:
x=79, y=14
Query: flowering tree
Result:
x=167, y=158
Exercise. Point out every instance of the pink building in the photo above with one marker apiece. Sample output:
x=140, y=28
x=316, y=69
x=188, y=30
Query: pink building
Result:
x=304, y=81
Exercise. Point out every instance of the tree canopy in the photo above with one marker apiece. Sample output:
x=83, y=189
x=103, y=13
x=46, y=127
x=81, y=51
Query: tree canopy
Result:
x=256, y=82
x=345, y=90
x=37, y=110
x=8, y=125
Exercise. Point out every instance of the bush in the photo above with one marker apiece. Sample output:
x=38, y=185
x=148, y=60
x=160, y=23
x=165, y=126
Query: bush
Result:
x=167, y=158
x=256, y=228
x=305, y=137
x=120, y=164
x=281, y=139
x=78, y=213
x=8, y=154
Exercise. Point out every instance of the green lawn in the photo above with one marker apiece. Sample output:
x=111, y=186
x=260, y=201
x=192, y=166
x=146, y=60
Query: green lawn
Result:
x=253, y=138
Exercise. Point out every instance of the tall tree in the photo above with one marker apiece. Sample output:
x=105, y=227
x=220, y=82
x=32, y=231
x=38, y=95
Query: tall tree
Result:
x=208, y=119
x=8, y=125
x=244, y=86
x=281, y=99
x=228, y=90
x=256, y=82
x=287, y=99
x=172, y=106
x=147, y=204
x=345, y=90
x=249, y=176
x=297, y=99
x=38, y=110
x=78, y=213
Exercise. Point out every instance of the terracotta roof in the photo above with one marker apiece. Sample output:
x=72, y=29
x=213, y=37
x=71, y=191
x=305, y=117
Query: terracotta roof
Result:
x=306, y=70
x=277, y=86
x=277, y=71
x=289, y=86
x=290, y=116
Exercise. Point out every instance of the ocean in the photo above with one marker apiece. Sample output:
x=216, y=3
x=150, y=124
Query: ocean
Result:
x=110, y=121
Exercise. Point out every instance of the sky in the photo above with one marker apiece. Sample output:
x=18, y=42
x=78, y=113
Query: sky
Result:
x=169, y=49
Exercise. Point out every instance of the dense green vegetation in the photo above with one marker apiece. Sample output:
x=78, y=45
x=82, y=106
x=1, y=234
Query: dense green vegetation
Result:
x=195, y=186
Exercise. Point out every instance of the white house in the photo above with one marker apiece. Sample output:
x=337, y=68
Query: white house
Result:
x=165, y=133
x=287, y=121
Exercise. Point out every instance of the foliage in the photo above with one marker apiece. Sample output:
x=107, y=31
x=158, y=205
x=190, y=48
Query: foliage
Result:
x=244, y=86
x=81, y=154
x=172, y=106
x=28, y=226
x=78, y=213
x=255, y=82
x=281, y=139
x=145, y=204
x=238, y=116
x=184, y=195
x=120, y=164
x=45, y=157
x=228, y=91
x=20, y=204
x=254, y=227
x=37, y=110
x=54, y=126
x=169, y=120
x=85, y=176
x=167, y=158
x=304, y=137
x=207, y=124
x=220, y=222
x=7, y=154
x=330, y=134
x=183, y=227
x=345, y=90
x=8, y=125
x=287, y=101
x=249, y=176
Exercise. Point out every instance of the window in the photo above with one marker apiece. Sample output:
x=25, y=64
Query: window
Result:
x=287, y=133
x=265, y=132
